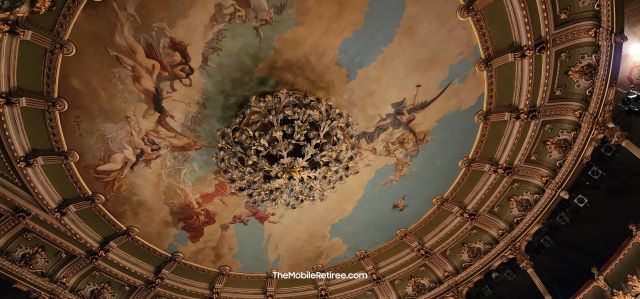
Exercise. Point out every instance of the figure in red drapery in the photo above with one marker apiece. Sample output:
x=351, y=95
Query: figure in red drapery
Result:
x=194, y=220
x=220, y=190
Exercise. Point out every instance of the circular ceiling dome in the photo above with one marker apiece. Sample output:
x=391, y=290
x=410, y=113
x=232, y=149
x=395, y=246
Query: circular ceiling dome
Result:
x=464, y=144
x=162, y=83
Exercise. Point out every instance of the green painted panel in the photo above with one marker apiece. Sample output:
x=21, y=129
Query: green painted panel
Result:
x=494, y=136
x=574, y=10
x=7, y=203
x=403, y=266
x=95, y=275
x=495, y=14
x=182, y=293
x=505, y=76
x=355, y=268
x=140, y=253
x=95, y=221
x=60, y=180
x=122, y=269
x=294, y=283
x=191, y=274
x=501, y=209
x=44, y=225
x=30, y=66
x=520, y=144
x=242, y=283
x=396, y=249
x=534, y=16
x=36, y=127
x=570, y=90
x=438, y=218
x=5, y=170
x=467, y=186
x=47, y=21
x=537, y=81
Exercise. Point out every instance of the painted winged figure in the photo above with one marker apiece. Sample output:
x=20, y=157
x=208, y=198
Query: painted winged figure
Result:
x=404, y=113
x=256, y=13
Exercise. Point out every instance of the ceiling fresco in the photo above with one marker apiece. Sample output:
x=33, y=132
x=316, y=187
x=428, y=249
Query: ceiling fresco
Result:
x=152, y=82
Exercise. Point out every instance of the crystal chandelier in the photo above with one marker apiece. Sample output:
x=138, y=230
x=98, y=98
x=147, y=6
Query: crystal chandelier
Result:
x=286, y=149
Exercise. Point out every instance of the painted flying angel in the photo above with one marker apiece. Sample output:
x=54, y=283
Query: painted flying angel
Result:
x=261, y=14
x=257, y=13
x=400, y=204
x=403, y=115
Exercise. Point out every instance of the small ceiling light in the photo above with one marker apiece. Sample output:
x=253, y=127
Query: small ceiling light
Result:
x=634, y=51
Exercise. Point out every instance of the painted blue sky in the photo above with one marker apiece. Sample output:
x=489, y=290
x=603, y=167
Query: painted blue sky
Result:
x=378, y=30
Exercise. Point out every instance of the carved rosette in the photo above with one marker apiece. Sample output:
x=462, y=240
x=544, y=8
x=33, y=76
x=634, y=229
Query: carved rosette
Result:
x=473, y=251
x=31, y=258
x=521, y=205
x=100, y=290
x=584, y=72
x=417, y=286
x=558, y=147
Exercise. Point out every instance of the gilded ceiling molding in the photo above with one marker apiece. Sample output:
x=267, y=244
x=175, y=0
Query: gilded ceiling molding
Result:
x=418, y=245
x=30, y=213
x=322, y=287
x=385, y=290
x=506, y=114
x=34, y=158
x=72, y=271
x=518, y=21
x=466, y=9
x=511, y=55
x=270, y=285
x=600, y=275
x=534, y=173
x=442, y=266
x=369, y=266
x=11, y=28
x=606, y=128
x=22, y=99
x=107, y=245
x=440, y=202
x=161, y=273
x=217, y=285
x=586, y=31
x=42, y=38
x=42, y=284
x=495, y=226
x=88, y=202
x=526, y=264
x=10, y=225
x=572, y=111
x=488, y=166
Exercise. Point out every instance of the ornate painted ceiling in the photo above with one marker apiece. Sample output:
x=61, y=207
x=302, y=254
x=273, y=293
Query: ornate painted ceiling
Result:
x=468, y=120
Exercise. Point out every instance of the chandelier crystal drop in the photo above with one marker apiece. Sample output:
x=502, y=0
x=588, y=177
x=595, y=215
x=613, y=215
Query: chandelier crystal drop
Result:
x=286, y=149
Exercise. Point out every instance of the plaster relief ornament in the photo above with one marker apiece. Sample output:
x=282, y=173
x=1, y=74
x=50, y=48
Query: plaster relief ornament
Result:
x=473, y=251
x=23, y=8
x=31, y=258
x=286, y=149
x=584, y=72
x=558, y=147
x=101, y=290
x=417, y=286
x=521, y=205
x=630, y=290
